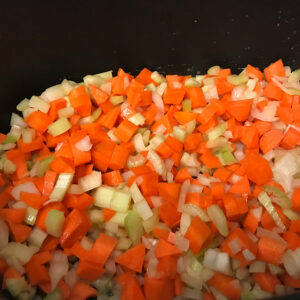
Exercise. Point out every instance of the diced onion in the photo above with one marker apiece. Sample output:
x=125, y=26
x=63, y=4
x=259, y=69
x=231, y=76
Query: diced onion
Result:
x=84, y=144
x=235, y=246
x=257, y=267
x=182, y=195
x=4, y=234
x=59, y=267
x=157, y=201
x=181, y=242
x=157, y=163
x=75, y=189
x=138, y=142
x=261, y=232
x=91, y=181
x=27, y=187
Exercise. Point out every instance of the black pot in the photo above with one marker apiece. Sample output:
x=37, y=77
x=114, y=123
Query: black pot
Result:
x=42, y=42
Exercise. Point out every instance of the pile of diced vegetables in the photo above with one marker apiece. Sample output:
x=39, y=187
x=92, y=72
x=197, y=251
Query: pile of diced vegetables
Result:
x=154, y=187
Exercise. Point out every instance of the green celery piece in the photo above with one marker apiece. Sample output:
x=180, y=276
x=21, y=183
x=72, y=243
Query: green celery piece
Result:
x=54, y=222
x=43, y=165
x=54, y=295
x=10, y=139
x=16, y=286
x=134, y=226
x=279, y=197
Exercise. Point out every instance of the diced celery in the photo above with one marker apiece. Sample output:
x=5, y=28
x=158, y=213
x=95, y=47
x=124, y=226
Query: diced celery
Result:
x=213, y=70
x=14, y=134
x=43, y=165
x=226, y=157
x=138, y=119
x=265, y=200
x=278, y=196
x=161, y=88
x=217, y=131
x=23, y=105
x=106, y=75
x=30, y=216
x=291, y=214
x=28, y=135
x=119, y=218
x=187, y=105
x=37, y=237
x=54, y=295
x=27, y=294
x=59, y=127
x=143, y=209
x=200, y=78
x=39, y=103
x=190, y=126
x=158, y=78
x=61, y=186
x=134, y=226
x=294, y=77
x=179, y=133
x=20, y=251
x=103, y=196
x=192, y=82
x=146, y=137
x=156, y=141
x=54, y=222
x=16, y=286
x=96, y=216
x=216, y=214
x=27, y=111
x=194, y=210
x=136, y=193
x=120, y=201
x=152, y=222
x=207, y=82
x=238, y=79
x=66, y=112
x=124, y=243
x=90, y=181
x=9, y=167
x=96, y=114
x=150, y=87
x=116, y=100
x=105, y=286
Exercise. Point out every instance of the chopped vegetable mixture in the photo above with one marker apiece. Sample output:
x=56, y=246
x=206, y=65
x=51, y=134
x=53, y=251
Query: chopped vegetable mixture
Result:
x=154, y=187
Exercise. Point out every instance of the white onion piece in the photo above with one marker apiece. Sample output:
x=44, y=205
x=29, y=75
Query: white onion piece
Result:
x=157, y=201
x=27, y=187
x=268, y=114
x=169, y=163
x=160, y=129
x=185, y=222
x=257, y=212
x=170, y=177
x=217, y=261
x=71, y=277
x=59, y=267
x=15, y=264
x=110, y=266
x=183, y=192
x=191, y=293
x=235, y=178
x=152, y=268
x=106, y=87
x=138, y=142
x=4, y=234
x=257, y=267
x=91, y=181
x=291, y=262
x=248, y=255
x=157, y=100
x=261, y=232
x=75, y=189
x=195, y=188
x=235, y=246
x=139, y=180
x=84, y=144
x=204, y=180
x=127, y=175
x=181, y=242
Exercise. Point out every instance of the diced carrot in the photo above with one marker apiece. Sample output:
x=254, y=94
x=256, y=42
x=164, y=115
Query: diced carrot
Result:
x=169, y=214
x=80, y=101
x=14, y=215
x=184, y=117
x=276, y=68
x=133, y=258
x=20, y=232
x=82, y=291
x=55, y=106
x=125, y=131
x=273, y=91
x=76, y=225
x=132, y=290
x=296, y=199
x=119, y=157
x=195, y=94
x=270, y=140
x=289, y=281
x=254, y=72
x=82, y=201
x=224, y=284
x=38, y=121
x=102, y=154
x=98, y=95
x=166, y=267
x=270, y=250
x=173, y=96
x=89, y=271
x=158, y=289
x=223, y=85
x=169, y=192
x=235, y=206
x=164, y=249
x=266, y=281
x=257, y=169
x=292, y=239
x=197, y=233
x=239, y=109
x=291, y=139
x=33, y=200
